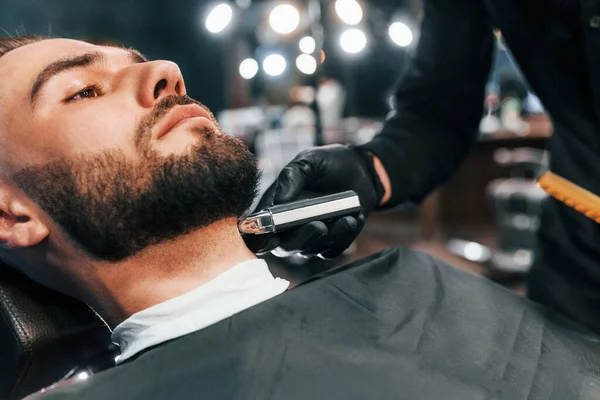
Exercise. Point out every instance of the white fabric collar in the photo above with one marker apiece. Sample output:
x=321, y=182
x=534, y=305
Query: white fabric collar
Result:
x=239, y=288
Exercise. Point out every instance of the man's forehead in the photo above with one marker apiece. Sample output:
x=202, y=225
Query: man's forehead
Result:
x=46, y=51
x=46, y=48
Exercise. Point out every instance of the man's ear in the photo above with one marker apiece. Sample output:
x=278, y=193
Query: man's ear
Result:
x=19, y=227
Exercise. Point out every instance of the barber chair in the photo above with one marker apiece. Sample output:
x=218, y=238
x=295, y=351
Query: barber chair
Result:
x=517, y=202
x=46, y=338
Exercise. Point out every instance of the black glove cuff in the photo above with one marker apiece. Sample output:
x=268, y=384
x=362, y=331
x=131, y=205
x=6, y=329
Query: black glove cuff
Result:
x=369, y=163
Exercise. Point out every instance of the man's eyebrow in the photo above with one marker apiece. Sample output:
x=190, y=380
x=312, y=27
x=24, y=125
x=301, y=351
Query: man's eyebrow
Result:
x=63, y=65
x=71, y=63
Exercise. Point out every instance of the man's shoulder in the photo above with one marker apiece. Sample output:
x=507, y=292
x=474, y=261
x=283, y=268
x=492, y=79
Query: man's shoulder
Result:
x=389, y=263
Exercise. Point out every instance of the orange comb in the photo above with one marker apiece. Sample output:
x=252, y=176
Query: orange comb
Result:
x=571, y=194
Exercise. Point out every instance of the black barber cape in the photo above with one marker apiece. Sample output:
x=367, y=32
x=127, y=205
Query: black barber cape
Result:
x=397, y=325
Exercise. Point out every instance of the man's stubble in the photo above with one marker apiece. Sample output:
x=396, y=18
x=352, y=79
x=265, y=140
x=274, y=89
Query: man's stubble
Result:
x=113, y=207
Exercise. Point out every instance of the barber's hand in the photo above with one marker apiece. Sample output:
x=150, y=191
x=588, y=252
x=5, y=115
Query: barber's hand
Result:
x=322, y=170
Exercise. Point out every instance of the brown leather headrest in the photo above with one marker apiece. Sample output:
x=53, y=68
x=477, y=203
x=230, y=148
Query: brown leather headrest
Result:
x=43, y=335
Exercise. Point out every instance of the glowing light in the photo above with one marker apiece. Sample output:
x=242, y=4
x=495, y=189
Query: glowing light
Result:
x=274, y=64
x=219, y=18
x=473, y=251
x=83, y=376
x=353, y=41
x=349, y=11
x=306, y=64
x=248, y=68
x=400, y=34
x=284, y=19
x=307, y=45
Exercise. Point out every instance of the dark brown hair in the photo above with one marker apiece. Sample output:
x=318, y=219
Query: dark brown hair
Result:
x=10, y=43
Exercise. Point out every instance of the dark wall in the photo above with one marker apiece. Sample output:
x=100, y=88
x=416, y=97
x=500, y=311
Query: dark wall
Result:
x=171, y=30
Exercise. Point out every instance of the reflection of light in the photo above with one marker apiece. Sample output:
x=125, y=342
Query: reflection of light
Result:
x=353, y=40
x=349, y=11
x=274, y=64
x=243, y=3
x=322, y=56
x=473, y=251
x=306, y=64
x=307, y=45
x=502, y=156
x=219, y=18
x=400, y=34
x=248, y=68
x=284, y=18
x=82, y=376
x=523, y=257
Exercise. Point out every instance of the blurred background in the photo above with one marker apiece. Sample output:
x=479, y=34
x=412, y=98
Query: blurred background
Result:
x=285, y=76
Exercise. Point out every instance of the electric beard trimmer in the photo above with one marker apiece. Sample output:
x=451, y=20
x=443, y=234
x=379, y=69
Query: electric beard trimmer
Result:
x=282, y=217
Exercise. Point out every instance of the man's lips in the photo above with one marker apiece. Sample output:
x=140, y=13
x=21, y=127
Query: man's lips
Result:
x=179, y=114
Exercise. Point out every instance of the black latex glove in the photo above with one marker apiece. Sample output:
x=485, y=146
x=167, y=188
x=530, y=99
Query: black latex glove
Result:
x=320, y=171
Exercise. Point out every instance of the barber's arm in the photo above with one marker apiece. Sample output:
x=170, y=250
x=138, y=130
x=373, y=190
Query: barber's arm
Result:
x=438, y=108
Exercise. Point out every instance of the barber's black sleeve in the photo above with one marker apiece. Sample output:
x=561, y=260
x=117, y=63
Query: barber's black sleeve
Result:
x=439, y=102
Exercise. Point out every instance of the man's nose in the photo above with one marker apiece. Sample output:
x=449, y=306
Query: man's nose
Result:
x=159, y=79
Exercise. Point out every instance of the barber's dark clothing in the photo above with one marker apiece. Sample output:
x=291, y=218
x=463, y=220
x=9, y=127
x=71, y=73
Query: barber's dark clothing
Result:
x=397, y=325
x=557, y=46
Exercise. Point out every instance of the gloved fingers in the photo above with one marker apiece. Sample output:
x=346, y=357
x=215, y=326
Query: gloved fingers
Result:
x=293, y=179
x=340, y=232
x=267, y=198
x=344, y=232
x=261, y=244
x=289, y=184
x=302, y=238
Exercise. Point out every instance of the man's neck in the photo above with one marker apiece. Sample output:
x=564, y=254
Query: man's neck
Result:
x=164, y=271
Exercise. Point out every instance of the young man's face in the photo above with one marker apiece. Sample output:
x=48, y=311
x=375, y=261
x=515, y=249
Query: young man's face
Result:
x=93, y=99
x=112, y=150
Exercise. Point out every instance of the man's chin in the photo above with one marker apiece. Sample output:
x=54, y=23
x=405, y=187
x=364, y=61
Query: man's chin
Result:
x=115, y=207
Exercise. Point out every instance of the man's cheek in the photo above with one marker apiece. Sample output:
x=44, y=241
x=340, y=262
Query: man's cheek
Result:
x=100, y=129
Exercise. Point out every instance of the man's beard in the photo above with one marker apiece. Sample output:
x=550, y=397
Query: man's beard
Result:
x=113, y=207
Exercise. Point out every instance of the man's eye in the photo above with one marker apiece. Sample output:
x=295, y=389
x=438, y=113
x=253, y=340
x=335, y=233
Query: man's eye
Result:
x=86, y=93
